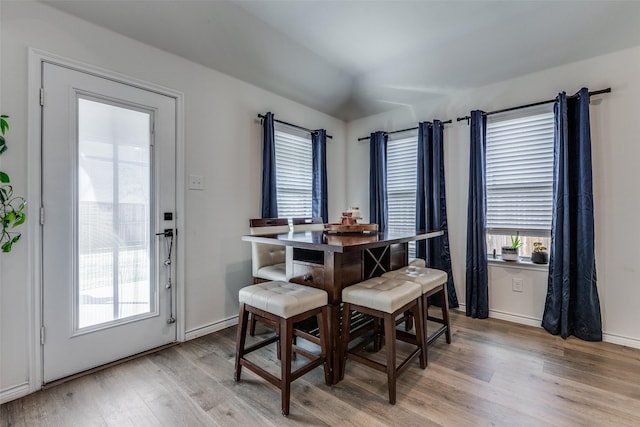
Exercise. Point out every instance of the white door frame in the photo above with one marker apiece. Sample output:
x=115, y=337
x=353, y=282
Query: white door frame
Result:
x=34, y=196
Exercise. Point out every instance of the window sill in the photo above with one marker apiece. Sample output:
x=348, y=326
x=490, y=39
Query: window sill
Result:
x=522, y=263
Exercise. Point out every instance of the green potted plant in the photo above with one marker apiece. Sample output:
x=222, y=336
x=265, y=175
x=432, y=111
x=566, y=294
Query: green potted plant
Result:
x=539, y=254
x=12, y=208
x=510, y=252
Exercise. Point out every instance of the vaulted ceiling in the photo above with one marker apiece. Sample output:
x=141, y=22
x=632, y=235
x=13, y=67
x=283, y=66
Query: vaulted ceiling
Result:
x=352, y=59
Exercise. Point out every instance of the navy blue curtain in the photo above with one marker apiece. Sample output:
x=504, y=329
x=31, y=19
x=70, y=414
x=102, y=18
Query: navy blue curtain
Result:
x=269, y=189
x=431, y=205
x=423, y=183
x=477, y=281
x=572, y=306
x=378, y=206
x=319, y=204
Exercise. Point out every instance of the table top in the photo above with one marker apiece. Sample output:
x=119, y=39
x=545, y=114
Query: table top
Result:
x=322, y=241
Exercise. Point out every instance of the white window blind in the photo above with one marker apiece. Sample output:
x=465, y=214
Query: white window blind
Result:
x=401, y=184
x=294, y=172
x=519, y=172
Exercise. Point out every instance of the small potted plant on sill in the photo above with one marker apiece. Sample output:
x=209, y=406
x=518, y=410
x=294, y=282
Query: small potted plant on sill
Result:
x=510, y=253
x=539, y=254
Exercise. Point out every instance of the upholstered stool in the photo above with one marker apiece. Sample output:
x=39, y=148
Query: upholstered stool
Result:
x=284, y=304
x=384, y=299
x=434, y=283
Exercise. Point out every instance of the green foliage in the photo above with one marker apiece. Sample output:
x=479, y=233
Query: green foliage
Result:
x=4, y=125
x=12, y=208
x=515, y=241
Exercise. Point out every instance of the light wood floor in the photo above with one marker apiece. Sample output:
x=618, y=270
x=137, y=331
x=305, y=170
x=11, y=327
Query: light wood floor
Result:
x=493, y=373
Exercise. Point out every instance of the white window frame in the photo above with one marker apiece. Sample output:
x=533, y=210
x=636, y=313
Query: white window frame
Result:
x=402, y=172
x=294, y=171
x=519, y=146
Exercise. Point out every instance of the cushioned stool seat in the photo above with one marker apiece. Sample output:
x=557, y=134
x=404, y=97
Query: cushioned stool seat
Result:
x=284, y=299
x=385, y=299
x=428, y=278
x=382, y=294
x=433, y=283
x=283, y=304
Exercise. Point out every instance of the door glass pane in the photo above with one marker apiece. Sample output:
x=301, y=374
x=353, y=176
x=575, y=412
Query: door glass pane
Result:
x=114, y=194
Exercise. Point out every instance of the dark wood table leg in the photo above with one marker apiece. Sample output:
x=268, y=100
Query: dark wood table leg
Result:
x=332, y=284
x=336, y=347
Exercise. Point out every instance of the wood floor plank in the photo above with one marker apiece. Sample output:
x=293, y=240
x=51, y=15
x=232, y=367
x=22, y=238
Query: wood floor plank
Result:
x=493, y=373
x=169, y=404
x=564, y=402
x=593, y=377
x=253, y=394
x=124, y=405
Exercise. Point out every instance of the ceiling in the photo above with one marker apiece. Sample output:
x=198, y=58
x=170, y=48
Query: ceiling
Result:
x=352, y=59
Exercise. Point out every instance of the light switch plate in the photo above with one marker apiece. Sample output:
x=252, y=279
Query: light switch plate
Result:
x=196, y=182
x=517, y=284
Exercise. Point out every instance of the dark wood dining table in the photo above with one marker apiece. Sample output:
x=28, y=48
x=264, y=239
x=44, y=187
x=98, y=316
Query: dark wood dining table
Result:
x=334, y=261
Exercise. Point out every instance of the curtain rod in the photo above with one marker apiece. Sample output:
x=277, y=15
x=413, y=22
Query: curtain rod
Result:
x=294, y=126
x=549, y=101
x=401, y=130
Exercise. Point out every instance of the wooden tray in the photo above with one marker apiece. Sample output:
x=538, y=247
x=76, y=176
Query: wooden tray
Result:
x=356, y=228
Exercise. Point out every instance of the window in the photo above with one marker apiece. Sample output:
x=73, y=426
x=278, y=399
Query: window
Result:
x=294, y=171
x=402, y=172
x=519, y=178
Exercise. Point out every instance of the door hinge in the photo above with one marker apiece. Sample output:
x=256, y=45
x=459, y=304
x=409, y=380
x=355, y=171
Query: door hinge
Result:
x=42, y=335
x=42, y=97
x=41, y=216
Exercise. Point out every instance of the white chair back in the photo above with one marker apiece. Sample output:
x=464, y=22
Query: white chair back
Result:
x=308, y=224
x=264, y=255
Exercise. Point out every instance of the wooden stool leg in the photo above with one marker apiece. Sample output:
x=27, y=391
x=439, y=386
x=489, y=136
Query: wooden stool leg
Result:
x=346, y=321
x=408, y=323
x=243, y=317
x=324, y=337
x=278, y=351
x=390, y=343
x=425, y=322
x=419, y=314
x=286, y=338
x=445, y=313
x=377, y=334
x=252, y=326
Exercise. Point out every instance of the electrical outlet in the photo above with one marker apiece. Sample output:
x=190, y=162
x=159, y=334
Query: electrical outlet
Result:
x=517, y=285
x=196, y=182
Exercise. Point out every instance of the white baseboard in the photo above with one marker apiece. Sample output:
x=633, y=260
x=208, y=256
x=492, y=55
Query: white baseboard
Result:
x=213, y=327
x=14, y=392
x=532, y=321
x=620, y=340
x=510, y=317
x=232, y=321
x=515, y=318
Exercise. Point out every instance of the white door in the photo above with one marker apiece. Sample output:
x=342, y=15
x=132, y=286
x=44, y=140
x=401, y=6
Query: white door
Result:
x=108, y=187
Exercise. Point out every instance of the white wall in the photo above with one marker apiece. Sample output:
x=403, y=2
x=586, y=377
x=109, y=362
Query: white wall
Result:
x=525, y=306
x=616, y=152
x=222, y=143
